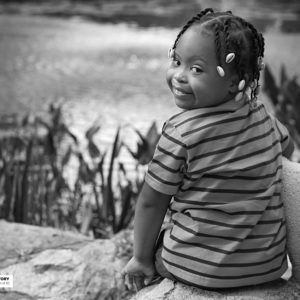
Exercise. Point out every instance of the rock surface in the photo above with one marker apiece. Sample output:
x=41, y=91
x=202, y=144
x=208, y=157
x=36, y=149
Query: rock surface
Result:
x=291, y=199
x=169, y=290
x=50, y=264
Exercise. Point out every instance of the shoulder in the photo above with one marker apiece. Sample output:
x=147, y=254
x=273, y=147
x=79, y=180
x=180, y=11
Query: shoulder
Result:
x=260, y=107
x=184, y=121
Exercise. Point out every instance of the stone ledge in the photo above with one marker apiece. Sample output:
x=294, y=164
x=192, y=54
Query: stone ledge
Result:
x=19, y=241
x=51, y=264
x=169, y=290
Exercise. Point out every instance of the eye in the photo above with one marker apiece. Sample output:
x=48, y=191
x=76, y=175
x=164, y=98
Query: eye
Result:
x=176, y=62
x=196, y=69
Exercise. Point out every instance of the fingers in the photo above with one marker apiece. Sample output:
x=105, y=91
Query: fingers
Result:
x=133, y=283
x=135, y=274
x=128, y=281
x=138, y=283
x=147, y=280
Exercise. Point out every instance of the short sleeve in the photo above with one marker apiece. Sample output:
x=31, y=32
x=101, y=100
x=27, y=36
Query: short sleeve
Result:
x=282, y=134
x=166, y=170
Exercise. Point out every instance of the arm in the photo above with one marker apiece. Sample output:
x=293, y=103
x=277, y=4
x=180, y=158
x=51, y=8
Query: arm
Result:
x=283, y=135
x=149, y=215
x=288, y=151
x=162, y=180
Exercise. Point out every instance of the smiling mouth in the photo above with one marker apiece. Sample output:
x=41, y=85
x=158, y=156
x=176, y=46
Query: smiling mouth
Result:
x=180, y=92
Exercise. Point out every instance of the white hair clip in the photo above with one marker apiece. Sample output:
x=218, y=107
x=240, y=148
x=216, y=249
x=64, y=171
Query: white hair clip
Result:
x=221, y=71
x=229, y=57
x=171, y=53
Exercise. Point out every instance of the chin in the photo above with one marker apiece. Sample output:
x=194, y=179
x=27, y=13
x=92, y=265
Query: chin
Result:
x=181, y=104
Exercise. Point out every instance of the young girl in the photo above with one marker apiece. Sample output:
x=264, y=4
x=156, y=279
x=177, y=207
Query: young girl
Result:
x=217, y=167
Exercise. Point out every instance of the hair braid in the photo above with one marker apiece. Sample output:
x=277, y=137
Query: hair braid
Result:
x=256, y=39
x=190, y=22
x=185, y=27
x=234, y=34
x=262, y=44
x=218, y=42
x=237, y=50
x=226, y=31
x=256, y=50
x=258, y=47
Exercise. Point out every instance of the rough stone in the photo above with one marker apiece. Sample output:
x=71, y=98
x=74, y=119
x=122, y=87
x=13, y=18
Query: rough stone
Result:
x=169, y=290
x=50, y=264
x=19, y=241
x=291, y=199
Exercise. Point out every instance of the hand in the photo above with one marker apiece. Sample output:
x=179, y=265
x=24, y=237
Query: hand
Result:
x=136, y=274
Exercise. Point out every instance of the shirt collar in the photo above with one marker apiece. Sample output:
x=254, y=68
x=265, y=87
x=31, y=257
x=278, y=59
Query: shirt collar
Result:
x=229, y=106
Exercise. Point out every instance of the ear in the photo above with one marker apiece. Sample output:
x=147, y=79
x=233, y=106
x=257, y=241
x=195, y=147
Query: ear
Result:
x=233, y=83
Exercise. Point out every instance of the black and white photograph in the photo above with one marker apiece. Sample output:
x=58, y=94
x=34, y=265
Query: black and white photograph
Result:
x=149, y=149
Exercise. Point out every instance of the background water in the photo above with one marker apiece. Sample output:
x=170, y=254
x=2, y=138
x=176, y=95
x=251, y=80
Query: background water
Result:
x=112, y=74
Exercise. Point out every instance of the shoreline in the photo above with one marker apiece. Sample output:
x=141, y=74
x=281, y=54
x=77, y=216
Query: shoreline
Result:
x=170, y=16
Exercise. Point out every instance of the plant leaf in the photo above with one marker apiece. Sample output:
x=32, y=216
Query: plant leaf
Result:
x=126, y=196
x=109, y=196
x=270, y=86
x=93, y=149
x=67, y=156
x=283, y=76
x=92, y=131
x=146, y=145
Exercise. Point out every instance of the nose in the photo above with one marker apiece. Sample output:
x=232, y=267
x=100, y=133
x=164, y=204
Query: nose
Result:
x=180, y=75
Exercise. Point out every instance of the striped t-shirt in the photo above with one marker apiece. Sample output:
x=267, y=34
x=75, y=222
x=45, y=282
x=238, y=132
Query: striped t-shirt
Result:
x=223, y=166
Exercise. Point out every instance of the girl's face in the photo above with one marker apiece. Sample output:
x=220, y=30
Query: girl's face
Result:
x=192, y=75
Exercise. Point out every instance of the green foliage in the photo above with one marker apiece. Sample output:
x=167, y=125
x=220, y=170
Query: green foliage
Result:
x=285, y=97
x=36, y=155
x=146, y=145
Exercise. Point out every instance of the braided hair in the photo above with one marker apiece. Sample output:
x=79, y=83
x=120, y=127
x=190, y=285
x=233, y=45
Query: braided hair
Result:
x=233, y=34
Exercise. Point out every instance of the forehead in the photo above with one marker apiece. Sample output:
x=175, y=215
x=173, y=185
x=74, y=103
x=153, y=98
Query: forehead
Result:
x=197, y=41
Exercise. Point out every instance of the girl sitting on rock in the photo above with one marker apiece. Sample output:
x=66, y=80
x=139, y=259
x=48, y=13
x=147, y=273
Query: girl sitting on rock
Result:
x=217, y=167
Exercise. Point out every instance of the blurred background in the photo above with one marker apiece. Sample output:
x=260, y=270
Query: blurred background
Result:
x=95, y=71
x=106, y=59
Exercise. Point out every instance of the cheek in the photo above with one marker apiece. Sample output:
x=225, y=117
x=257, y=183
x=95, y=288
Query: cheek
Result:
x=197, y=88
x=169, y=78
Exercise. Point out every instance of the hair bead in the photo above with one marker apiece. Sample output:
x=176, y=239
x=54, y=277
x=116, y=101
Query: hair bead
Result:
x=171, y=53
x=261, y=66
x=221, y=71
x=238, y=97
x=253, y=84
x=260, y=63
x=229, y=57
x=241, y=84
x=259, y=60
x=235, y=40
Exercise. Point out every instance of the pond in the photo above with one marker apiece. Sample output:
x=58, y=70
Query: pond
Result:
x=111, y=74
